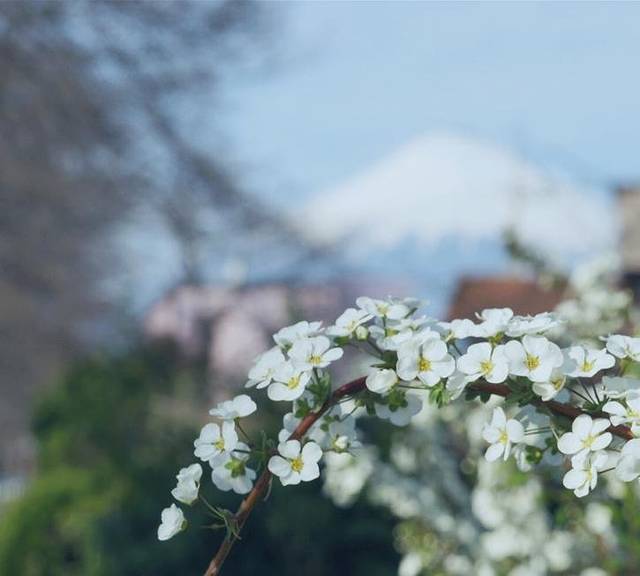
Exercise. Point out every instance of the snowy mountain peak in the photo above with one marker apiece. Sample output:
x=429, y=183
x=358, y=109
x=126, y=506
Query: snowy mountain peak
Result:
x=443, y=186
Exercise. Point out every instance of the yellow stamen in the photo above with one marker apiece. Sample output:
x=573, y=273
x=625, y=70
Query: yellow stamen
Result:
x=532, y=362
x=486, y=367
x=293, y=382
x=587, y=366
x=297, y=464
x=424, y=364
x=219, y=444
x=315, y=359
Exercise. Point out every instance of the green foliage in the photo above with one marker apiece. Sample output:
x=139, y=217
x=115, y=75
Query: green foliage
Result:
x=107, y=454
x=52, y=531
x=111, y=437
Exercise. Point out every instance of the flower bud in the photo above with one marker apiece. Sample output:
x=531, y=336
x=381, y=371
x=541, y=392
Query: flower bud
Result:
x=362, y=333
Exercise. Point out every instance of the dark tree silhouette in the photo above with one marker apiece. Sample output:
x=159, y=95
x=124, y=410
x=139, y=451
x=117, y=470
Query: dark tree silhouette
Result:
x=92, y=95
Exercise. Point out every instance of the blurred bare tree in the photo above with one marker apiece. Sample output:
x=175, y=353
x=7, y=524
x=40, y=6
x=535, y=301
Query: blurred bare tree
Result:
x=91, y=130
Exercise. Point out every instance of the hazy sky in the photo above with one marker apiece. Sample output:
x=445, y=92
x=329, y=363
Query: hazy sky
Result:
x=558, y=83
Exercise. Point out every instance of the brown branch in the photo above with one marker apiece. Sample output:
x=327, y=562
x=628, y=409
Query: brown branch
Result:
x=263, y=482
x=353, y=387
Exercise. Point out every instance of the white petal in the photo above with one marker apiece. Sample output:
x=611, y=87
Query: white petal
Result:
x=289, y=449
x=242, y=485
x=229, y=435
x=311, y=452
x=279, y=392
x=244, y=405
x=291, y=479
x=407, y=368
x=515, y=431
x=499, y=373
x=468, y=364
x=569, y=443
x=498, y=419
x=444, y=367
x=279, y=466
x=310, y=471
x=616, y=408
x=494, y=452
x=602, y=441
x=582, y=426
x=599, y=425
x=381, y=381
x=491, y=434
x=574, y=479
x=332, y=355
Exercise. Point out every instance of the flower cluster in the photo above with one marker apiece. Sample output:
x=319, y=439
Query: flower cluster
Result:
x=219, y=445
x=586, y=412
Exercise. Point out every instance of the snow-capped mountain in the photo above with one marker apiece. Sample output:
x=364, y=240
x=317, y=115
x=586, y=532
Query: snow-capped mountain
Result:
x=441, y=187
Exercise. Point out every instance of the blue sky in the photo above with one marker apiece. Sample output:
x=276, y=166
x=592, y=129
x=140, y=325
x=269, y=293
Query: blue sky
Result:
x=558, y=83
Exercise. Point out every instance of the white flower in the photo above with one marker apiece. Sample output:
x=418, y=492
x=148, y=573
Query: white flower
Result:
x=400, y=408
x=314, y=353
x=265, y=367
x=381, y=381
x=348, y=321
x=289, y=383
x=191, y=473
x=535, y=357
x=393, y=310
x=172, y=522
x=287, y=337
x=522, y=325
x=342, y=435
x=551, y=388
x=458, y=329
x=494, y=321
x=424, y=357
x=587, y=435
x=483, y=361
x=239, y=407
x=186, y=491
x=628, y=467
x=501, y=433
x=624, y=347
x=589, y=361
x=295, y=463
x=336, y=433
x=215, y=441
x=583, y=476
x=231, y=472
x=628, y=413
x=397, y=332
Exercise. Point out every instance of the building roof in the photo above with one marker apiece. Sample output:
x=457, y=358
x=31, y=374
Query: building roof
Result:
x=524, y=296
